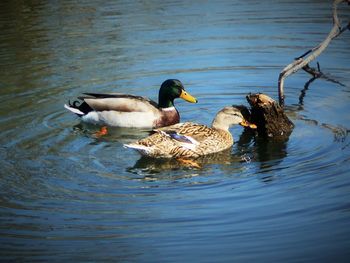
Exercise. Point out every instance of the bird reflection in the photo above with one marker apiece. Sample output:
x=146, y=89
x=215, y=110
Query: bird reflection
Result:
x=162, y=164
x=122, y=135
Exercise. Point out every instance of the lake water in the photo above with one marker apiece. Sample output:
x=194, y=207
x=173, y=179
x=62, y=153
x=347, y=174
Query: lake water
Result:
x=66, y=195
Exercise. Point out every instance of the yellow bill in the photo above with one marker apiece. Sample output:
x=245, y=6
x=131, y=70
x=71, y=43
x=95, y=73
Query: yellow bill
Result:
x=188, y=97
x=245, y=123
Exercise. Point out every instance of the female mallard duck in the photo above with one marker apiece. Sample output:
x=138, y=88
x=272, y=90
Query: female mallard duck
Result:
x=124, y=110
x=191, y=140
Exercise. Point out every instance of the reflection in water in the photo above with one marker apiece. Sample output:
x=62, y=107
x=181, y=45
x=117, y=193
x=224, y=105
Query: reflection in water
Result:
x=114, y=134
x=267, y=152
x=340, y=132
x=157, y=165
x=270, y=153
x=303, y=92
x=309, y=82
x=270, y=150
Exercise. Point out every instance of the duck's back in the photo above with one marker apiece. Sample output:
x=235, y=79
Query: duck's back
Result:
x=187, y=140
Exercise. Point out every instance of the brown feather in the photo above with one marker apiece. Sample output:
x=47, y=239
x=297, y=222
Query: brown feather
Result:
x=191, y=140
x=210, y=140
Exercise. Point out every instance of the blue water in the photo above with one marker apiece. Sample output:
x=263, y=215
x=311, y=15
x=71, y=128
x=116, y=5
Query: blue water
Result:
x=66, y=195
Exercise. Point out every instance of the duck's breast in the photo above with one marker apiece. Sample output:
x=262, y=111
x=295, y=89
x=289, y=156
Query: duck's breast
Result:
x=167, y=117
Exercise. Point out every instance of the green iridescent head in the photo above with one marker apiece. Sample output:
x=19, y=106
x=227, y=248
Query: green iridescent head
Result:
x=170, y=90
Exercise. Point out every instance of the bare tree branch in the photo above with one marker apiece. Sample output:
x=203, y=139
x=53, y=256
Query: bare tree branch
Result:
x=310, y=55
x=315, y=73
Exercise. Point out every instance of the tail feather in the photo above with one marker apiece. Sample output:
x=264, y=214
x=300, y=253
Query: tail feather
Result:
x=71, y=108
x=79, y=108
x=140, y=148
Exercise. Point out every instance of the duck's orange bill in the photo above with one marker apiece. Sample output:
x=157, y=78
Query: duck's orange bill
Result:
x=188, y=97
x=245, y=123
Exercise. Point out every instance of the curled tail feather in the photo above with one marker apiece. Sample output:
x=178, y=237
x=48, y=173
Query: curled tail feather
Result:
x=79, y=108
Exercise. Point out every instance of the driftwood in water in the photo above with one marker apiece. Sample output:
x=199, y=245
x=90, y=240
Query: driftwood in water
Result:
x=269, y=117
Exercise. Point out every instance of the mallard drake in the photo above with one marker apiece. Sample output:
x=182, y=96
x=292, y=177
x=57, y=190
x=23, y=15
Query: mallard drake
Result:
x=124, y=110
x=192, y=140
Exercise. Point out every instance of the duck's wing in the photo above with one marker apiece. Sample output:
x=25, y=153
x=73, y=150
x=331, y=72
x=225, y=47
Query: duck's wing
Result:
x=179, y=140
x=187, y=132
x=119, y=102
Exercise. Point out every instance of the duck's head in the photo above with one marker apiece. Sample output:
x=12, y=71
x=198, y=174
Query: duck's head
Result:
x=170, y=90
x=230, y=115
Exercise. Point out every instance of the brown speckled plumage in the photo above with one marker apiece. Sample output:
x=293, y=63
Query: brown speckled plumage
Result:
x=190, y=140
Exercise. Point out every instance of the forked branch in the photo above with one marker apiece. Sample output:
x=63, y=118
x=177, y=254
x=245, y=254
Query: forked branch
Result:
x=303, y=61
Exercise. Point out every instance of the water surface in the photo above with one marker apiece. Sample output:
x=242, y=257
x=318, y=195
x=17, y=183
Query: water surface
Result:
x=67, y=195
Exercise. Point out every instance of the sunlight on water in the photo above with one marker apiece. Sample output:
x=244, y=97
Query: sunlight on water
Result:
x=67, y=194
